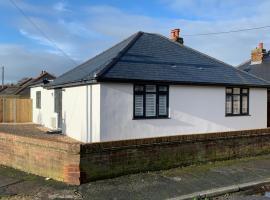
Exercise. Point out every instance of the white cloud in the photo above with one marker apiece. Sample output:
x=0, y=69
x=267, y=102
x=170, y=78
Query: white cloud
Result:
x=61, y=7
x=20, y=62
x=231, y=48
x=214, y=9
x=93, y=29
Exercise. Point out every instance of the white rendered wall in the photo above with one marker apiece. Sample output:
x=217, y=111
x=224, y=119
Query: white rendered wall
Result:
x=193, y=109
x=80, y=113
x=45, y=114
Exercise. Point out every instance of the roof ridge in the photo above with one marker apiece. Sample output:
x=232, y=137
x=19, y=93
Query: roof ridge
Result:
x=243, y=63
x=102, y=71
x=189, y=48
x=253, y=76
x=106, y=50
x=176, y=43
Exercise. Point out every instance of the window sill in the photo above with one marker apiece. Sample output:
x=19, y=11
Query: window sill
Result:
x=146, y=118
x=246, y=115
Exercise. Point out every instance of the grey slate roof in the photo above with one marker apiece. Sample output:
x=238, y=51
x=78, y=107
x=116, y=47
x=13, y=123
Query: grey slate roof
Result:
x=152, y=57
x=260, y=70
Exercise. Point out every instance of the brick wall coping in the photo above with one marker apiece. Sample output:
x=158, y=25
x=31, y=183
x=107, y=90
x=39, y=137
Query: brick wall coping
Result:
x=78, y=147
x=135, y=143
x=42, y=142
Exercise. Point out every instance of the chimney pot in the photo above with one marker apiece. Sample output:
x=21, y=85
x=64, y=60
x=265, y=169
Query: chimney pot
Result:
x=175, y=36
x=260, y=46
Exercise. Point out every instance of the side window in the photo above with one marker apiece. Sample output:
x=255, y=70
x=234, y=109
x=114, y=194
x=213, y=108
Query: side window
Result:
x=237, y=101
x=151, y=101
x=38, y=99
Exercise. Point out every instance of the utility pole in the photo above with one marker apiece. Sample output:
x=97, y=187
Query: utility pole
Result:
x=3, y=76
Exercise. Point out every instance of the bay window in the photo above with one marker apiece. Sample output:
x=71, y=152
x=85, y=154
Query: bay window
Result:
x=237, y=101
x=151, y=101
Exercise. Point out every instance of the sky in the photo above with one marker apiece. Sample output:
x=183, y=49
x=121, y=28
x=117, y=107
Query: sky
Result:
x=57, y=35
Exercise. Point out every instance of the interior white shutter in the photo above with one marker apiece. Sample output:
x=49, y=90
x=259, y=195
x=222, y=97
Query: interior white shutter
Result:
x=162, y=105
x=138, y=105
x=150, y=107
x=244, y=104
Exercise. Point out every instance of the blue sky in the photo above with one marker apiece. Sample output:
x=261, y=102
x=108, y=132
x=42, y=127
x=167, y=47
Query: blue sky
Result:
x=84, y=28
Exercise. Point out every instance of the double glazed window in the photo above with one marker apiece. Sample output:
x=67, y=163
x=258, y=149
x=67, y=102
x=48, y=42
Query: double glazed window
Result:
x=38, y=99
x=237, y=101
x=151, y=101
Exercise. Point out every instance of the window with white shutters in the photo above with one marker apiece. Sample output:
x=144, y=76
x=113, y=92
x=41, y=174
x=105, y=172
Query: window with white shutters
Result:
x=237, y=101
x=151, y=101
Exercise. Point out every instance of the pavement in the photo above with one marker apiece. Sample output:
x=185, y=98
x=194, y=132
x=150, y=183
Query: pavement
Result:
x=219, y=180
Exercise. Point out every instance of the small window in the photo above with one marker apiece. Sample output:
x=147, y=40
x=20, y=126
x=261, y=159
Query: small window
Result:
x=151, y=101
x=57, y=100
x=237, y=101
x=38, y=99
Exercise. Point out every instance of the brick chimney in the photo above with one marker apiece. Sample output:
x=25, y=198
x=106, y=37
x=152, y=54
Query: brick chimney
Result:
x=175, y=36
x=257, y=54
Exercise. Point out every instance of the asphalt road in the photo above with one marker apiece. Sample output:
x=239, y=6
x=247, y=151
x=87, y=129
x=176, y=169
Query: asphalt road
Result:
x=170, y=184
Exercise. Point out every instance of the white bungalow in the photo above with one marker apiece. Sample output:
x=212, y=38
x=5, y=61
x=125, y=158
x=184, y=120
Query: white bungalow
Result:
x=150, y=86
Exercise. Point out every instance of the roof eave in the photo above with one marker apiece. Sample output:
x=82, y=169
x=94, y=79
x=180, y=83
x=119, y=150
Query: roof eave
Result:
x=120, y=80
x=71, y=84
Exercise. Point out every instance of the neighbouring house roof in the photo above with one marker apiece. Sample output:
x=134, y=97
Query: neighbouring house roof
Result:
x=261, y=70
x=10, y=90
x=22, y=88
x=152, y=57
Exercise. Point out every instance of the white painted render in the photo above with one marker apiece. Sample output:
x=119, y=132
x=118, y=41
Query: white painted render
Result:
x=45, y=114
x=192, y=109
x=80, y=112
x=104, y=112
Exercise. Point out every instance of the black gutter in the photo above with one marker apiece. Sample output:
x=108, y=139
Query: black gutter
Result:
x=71, y=84
x=118, y=80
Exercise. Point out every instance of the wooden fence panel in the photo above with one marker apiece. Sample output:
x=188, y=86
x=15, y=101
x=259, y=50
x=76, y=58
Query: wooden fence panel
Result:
x=23, y=110
x=1, y=109
x=8, y=111
x=15, y=110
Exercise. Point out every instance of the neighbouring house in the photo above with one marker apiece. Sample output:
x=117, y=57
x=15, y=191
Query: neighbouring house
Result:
x=22, y=88
x=259, y=65
x=150, y=86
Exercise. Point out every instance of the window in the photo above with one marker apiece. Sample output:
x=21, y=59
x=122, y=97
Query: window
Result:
x=38, y=99
x=57, y=100
x=151, y=101
x=237, y=101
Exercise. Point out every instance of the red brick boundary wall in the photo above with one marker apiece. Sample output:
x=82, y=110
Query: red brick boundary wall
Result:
x=75, y=163
x=111, y=159
x=48, y=158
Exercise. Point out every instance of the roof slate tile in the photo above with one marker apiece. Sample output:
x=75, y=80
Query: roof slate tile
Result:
x=152, y=57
